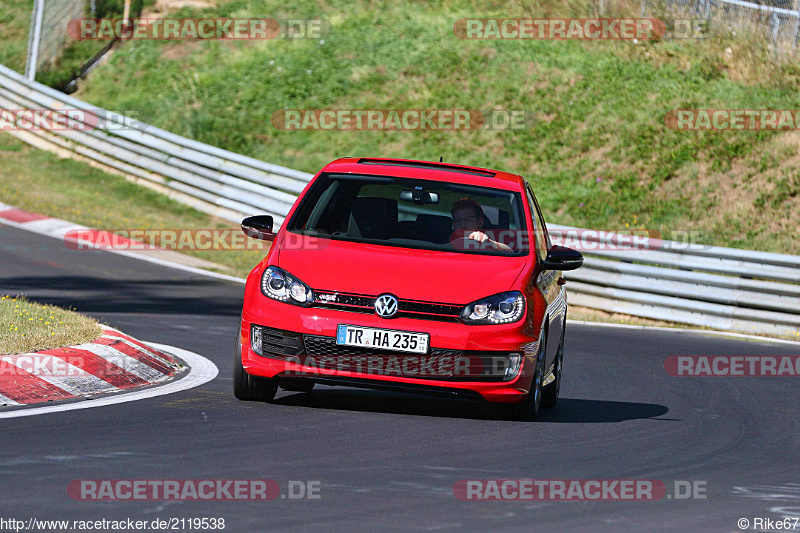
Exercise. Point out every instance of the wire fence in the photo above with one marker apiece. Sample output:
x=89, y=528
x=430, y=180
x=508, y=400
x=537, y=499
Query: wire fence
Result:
x=48, y=33
x=777, y=20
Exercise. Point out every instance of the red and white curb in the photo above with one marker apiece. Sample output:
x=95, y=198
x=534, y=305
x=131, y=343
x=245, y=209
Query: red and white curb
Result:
x=64, y=230
x=109, y=364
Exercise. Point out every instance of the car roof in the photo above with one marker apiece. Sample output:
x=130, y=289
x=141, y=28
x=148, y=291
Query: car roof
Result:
x=429, y=170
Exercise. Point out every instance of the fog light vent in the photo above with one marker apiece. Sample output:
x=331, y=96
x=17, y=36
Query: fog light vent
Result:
x=255, y=339
x=514, y=362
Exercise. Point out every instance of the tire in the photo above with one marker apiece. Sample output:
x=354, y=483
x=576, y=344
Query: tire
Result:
x=550, y=392
x=297, y=384
x=528, y=409
x=251, y=388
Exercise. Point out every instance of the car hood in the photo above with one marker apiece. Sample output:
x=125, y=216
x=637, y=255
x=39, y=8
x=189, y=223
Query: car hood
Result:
x=414, y=274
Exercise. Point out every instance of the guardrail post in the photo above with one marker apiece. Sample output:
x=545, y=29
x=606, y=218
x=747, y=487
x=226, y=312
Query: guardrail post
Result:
x=774, y=25
x=126, y=13
x=34, y=39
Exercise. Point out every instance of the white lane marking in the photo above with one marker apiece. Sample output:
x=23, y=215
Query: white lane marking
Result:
x=63, y=374
x=201, y=371
x=685, y=330
x=126, y=362
x=5, y=399
x=790, y=491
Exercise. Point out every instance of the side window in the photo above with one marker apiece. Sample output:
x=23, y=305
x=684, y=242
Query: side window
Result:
x=538, y=227
x=544, y=226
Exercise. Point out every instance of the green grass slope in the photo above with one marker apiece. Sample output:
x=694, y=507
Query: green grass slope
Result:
x=597, y=150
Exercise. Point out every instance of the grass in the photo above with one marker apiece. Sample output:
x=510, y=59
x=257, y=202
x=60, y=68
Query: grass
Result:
x=15, y=20
x=44, y=183
x=29, y=327
x=598, y=152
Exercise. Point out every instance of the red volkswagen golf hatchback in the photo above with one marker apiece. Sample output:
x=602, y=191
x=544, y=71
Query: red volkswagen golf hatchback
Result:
x=411, y=276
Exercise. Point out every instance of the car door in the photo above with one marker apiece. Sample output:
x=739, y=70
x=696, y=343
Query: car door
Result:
x=547, y=282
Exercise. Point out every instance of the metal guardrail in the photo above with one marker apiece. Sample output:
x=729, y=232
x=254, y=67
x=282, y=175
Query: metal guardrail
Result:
x=710, y=286
x=213, y=180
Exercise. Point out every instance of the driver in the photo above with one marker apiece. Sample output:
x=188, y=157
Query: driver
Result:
x=467, y=225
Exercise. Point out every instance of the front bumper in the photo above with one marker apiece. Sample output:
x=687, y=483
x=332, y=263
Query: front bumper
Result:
x=316, y=327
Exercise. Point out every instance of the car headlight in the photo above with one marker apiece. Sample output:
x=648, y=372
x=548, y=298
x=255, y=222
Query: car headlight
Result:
x=501, y=308
x=279, y=285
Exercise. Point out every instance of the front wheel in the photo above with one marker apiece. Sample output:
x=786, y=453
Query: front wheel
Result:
x=550, y=392
x=251, y=388
x=528, y=409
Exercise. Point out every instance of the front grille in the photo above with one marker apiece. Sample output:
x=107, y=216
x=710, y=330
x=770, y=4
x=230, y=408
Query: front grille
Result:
x=438, y=309
x=440, y=363
x=280, y=342
x=322, y=352
x=319, y=346
x=405, y=308
x=351, y=299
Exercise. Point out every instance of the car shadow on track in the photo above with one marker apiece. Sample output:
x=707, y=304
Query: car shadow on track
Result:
x=568, y=410
x=96, y=295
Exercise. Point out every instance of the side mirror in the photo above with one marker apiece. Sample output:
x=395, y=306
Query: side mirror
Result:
x=562, y=258
x=258, y=227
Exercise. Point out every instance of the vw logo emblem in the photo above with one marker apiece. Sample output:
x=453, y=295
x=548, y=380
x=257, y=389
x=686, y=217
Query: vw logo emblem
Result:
x=386, y=306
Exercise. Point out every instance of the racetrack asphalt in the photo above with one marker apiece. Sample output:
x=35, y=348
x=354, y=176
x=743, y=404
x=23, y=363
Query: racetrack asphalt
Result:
x=388, y=461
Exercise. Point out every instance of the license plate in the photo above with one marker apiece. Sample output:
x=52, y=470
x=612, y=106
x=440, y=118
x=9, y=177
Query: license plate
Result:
x=382, y=339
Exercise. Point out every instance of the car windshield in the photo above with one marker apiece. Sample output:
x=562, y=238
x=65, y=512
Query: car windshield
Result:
x=411, y=213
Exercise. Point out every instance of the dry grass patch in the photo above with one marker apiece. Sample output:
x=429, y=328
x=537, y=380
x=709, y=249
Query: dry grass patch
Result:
x=27, y=326
x=588, y=314
x=757, y=197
